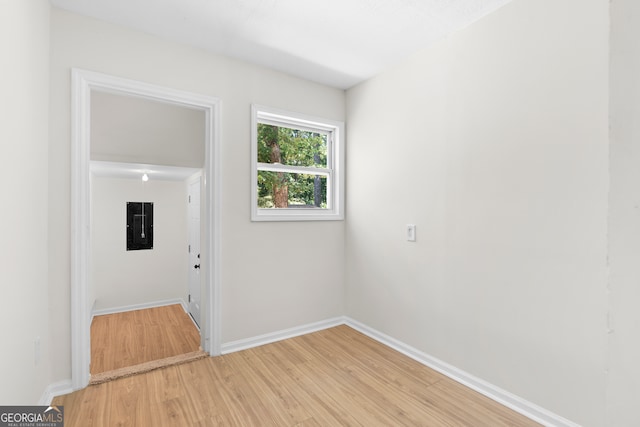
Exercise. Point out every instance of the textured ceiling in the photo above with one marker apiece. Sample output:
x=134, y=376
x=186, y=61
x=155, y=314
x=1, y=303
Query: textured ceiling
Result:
x=335, y=42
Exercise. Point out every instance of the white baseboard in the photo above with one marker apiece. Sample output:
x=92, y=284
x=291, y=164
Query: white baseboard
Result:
x=140, y=306
x=53, y=390
x=247, y=343
x=93, y=309
x=522, y=406
x=516, y=403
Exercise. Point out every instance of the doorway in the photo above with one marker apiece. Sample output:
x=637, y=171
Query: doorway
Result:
x=83, y=84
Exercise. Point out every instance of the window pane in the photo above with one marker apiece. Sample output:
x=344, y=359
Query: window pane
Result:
x=291, y=147
x=291, y=190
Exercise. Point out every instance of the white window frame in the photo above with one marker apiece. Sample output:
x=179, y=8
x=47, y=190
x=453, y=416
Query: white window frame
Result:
x=334, y=170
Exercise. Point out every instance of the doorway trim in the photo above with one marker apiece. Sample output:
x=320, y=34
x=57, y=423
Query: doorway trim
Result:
x=83, y=82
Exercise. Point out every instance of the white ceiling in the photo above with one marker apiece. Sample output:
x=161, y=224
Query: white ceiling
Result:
x=335, y=42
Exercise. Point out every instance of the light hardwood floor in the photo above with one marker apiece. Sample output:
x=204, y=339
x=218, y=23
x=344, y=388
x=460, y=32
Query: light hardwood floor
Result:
x=335, y=377
x=130, y=338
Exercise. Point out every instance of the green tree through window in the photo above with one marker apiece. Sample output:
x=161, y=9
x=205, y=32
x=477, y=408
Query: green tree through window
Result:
x=278, y=145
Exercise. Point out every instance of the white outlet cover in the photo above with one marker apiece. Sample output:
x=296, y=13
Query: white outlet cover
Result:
x=411, y=232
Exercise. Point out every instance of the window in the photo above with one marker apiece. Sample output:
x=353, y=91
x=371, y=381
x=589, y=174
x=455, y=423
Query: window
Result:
x=297, y=167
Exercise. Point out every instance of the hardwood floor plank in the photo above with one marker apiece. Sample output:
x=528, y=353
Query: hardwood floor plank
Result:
x=130, y=338
x=283, y=407
x=308, y=423
x=335, y=377
x=93, y=407
x=293, y=377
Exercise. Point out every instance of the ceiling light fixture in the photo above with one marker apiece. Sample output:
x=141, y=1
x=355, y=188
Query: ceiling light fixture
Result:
x=145, y=177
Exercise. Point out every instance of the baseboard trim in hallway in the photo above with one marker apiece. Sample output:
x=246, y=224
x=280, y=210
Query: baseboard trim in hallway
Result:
x=141, y=306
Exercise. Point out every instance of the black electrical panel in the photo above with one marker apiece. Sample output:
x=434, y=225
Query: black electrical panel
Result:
x=139, y=226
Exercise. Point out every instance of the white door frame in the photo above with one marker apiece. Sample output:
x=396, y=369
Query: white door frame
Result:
x=194, y=179
x=83, y=82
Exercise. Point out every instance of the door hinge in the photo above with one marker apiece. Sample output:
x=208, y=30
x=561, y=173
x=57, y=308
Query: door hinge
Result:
x=189, y=299
x=189, y=198
x=189, y=248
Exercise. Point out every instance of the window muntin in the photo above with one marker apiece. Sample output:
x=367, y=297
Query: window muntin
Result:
x=296, y=173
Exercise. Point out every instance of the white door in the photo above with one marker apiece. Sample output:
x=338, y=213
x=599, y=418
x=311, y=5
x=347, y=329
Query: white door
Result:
x=194, y=250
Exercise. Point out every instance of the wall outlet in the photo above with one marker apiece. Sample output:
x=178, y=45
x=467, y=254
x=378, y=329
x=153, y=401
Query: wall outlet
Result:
x=411, y=232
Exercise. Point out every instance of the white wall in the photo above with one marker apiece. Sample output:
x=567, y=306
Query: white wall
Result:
x=136, y=130
x=269, y=275
x=623, y=385
x=119, y=277
x=24, y=306
x=494, y=143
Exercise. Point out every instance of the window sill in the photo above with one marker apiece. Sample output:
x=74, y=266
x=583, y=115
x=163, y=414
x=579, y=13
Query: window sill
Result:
x=293, y=214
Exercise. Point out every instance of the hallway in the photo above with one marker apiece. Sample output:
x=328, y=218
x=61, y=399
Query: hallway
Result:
x=131, y=338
